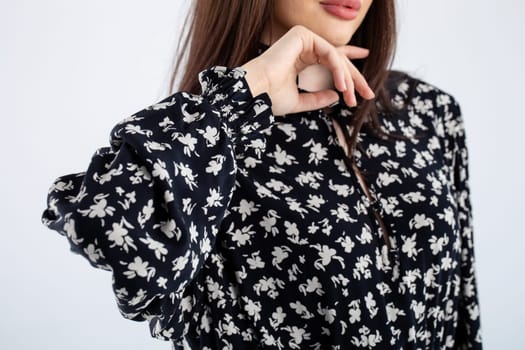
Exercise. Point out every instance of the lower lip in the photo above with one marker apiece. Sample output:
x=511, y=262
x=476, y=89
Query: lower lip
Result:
x=340, y=11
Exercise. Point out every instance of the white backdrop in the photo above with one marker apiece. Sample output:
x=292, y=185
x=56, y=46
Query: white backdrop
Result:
x=71, y=69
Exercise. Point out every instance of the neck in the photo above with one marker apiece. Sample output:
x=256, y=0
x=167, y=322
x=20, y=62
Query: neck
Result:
x=315, y=78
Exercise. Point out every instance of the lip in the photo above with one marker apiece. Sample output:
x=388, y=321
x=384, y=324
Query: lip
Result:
x=344, y=9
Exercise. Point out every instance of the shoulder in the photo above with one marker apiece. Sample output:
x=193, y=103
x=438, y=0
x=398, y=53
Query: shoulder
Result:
x=435, y=106
x=428, y=109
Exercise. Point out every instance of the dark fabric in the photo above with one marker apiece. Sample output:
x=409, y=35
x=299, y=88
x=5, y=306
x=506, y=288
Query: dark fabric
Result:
x=227, y=227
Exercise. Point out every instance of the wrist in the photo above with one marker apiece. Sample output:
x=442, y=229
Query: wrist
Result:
x=257, y=82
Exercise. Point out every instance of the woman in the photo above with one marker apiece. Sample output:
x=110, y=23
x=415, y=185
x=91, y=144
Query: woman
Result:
x=264, y=205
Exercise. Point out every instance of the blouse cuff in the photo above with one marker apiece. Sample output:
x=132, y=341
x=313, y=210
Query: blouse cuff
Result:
x=227, y=90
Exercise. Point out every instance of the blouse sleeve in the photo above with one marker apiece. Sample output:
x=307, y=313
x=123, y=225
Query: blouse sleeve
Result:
x=149, y=206
x=468, y=335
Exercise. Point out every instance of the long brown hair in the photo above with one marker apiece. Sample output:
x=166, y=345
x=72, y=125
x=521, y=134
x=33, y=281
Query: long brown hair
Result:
x=228, y=33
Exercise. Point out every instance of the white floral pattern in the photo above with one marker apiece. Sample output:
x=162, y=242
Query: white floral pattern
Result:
x=227, y=228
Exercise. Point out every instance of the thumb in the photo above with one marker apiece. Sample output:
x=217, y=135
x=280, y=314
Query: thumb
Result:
x=309, y=101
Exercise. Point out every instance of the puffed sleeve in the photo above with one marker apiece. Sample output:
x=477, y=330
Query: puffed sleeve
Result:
x=468, y=334
x=149, y=206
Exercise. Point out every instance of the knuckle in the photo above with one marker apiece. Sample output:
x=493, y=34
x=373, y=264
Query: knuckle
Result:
x=299, y=29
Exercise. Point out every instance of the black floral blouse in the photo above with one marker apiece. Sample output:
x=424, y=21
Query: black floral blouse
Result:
x=229, y=228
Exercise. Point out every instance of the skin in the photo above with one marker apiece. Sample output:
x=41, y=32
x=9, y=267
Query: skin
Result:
x=336, y=31
x=302, y=45
x=310, y=14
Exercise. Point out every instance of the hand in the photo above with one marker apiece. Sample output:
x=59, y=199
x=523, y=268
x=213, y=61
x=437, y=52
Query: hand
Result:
x=275, y=72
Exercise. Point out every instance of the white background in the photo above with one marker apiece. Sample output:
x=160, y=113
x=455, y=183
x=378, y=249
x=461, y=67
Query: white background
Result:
x=69, y=70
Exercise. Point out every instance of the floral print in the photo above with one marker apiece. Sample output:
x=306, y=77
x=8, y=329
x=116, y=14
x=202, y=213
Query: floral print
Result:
x=227, y=227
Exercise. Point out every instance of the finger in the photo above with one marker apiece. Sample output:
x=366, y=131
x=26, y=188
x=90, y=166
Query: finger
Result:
x=360, y=83
x=309, y=101
x=333, y=62
x=349, y=94
x=324, y=53
x=354, y=52
x=328, y=56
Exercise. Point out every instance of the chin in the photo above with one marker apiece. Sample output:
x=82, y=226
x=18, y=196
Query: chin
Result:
x=341, y=42
x=337, y=39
